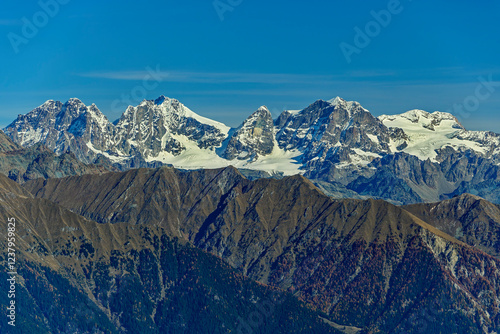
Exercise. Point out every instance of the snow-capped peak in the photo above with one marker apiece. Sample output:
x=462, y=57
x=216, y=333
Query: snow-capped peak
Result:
x=429, y=132
x=263, y=110
x=74, y=100
x=48, y=105
x=253, y=138
x=416, y=114
x=423, y=118
x=352, y=107
x=337, y=100
x=339, y=131
x=48, y=102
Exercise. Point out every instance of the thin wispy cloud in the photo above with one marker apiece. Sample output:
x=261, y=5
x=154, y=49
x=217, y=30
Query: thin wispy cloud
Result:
x=414, y=77
x=212, y=77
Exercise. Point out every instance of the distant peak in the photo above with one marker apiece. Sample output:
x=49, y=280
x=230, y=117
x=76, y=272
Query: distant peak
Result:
x=426, y=114
x=161, y=99
x=74, y=100
x=466, y=196
x=340, y=102
x=336, y=101
x=262, y=112
x=416, y=115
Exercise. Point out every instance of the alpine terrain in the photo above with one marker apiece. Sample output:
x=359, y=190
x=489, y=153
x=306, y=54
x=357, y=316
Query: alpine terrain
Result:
x=366, y=265
x=408, y=158
x=322, y=220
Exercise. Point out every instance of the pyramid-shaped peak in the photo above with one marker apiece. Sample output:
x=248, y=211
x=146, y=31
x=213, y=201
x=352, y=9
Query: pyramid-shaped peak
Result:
x=340, y=102
x=253, y=138
x=337, y=100
x=351, y=107
x=260, y=115
x=261, y=112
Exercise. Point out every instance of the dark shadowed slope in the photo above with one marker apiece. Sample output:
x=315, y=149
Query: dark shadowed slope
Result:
x=6, y=144
x=78, y=276
x=469, y=218
x=367, y=263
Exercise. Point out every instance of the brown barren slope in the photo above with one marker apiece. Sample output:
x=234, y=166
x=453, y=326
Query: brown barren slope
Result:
x=368, y=264
x=78, y=276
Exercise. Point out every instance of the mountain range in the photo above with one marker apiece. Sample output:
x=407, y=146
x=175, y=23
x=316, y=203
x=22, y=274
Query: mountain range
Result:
x=339, y=145
x=167, y=222
x=75, y=275
x=154, y=248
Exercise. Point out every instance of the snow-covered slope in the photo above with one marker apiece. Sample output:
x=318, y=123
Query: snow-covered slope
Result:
x=419, y=154
x=62, y=127
x=253, y=138
x=252, y=145
x=338, y=131
x=427, y=133
x=158, y=126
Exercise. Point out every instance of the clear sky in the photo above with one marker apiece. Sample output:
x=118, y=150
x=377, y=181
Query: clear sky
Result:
x=225, y=58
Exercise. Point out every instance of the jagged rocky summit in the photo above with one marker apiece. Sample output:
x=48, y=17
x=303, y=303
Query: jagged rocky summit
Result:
x=412, y=157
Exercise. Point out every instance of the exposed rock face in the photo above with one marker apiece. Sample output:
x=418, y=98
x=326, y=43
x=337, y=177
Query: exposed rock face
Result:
x=142, y=133
x=427, y=156
x=332, y=131
x=23, y=164
x=468, y=218
x=38, y=161
x=384, y=184
x=71, y=126
x=6, y=144
x=165, y=125
x=368, y=264
x=253, y=138
x=455, y=173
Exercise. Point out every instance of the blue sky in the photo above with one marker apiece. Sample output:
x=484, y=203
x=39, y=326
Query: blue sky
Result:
x=224, y=63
